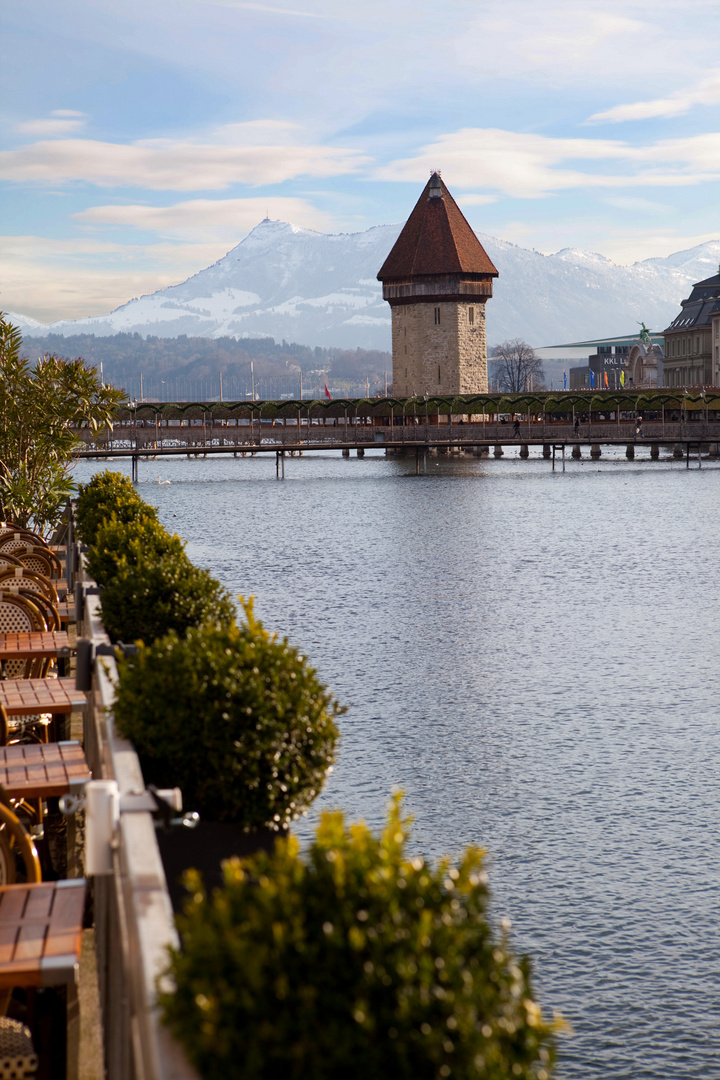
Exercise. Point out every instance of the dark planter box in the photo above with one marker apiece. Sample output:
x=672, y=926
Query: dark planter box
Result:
x=204, y=848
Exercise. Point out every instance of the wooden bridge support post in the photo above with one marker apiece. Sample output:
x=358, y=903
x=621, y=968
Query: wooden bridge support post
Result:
x=346, y=451
x=524, y=450
x=595, y=451
x=678, y=451
x=134, y=469
x=360, y=452
x=576, y=451
x=498, y=451
x=654, y=451
x=630, y=451
x=714, y=450
x=547, y=450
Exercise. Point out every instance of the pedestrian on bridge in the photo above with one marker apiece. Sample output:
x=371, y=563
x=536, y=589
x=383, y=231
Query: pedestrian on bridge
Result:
x=577, y=428
x=638, y=428
x=516, y=428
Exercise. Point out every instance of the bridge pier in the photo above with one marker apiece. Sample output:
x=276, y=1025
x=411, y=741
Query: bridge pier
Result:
x=654, y=451
x=134, y=469
x=547, y=450
x=595, y=451
x=346, y=452
x=630, y=451
x=524, y=450
x=498, y=451
x=576, y=451
x=360, y=452
x=678, y=451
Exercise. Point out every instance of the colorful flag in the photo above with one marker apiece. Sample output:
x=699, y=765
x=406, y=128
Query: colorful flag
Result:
x=328, y=395
x=606, y=382
x=592, y=380
x=622, y=378
x=564, y=380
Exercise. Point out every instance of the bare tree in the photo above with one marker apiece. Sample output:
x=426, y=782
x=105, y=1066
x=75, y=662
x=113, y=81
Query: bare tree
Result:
x=515, y=367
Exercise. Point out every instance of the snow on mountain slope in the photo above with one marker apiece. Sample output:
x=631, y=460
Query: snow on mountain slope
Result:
x=290, y=283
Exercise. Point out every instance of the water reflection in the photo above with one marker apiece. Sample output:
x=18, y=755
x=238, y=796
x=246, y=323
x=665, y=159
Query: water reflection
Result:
x=532, y=657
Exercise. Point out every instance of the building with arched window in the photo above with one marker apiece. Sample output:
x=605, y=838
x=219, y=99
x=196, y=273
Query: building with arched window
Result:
x=692, y=355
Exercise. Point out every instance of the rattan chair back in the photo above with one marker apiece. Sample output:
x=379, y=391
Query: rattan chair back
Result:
x=6, y=559
x=9, y=538
x=42, y=560
x=25, y=578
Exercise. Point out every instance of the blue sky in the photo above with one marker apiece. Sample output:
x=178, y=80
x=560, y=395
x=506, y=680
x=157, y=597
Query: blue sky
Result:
x=141, y=141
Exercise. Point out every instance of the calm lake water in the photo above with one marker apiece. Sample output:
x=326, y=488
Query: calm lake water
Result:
x=533, y=658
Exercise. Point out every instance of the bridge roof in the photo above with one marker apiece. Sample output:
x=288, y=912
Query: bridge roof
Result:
x=436, y=239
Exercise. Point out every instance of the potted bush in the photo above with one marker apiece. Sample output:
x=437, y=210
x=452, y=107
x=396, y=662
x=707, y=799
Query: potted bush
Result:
x=151, y=594
x=239, y=721
x=119, y=543
x=108, y=493
x=353, y=962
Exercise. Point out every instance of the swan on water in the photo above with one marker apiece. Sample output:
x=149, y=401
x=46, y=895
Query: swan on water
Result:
x=162, y=481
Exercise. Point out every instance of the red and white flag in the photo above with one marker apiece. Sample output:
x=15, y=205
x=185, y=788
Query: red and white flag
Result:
x=328, y=395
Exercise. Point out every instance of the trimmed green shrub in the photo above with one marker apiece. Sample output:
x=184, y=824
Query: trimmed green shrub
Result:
x=108, y=493
x=151, y=594
x=132, y=541
x=353, y=963
x=234, y=717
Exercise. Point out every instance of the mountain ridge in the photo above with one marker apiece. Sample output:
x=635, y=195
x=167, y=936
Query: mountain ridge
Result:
x=320, y=289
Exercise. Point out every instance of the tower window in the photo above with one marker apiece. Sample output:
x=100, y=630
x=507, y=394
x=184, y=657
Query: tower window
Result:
x=471, y=316
x=437, y=316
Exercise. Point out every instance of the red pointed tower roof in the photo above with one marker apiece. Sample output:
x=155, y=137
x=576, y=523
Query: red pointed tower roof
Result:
x=436, y=239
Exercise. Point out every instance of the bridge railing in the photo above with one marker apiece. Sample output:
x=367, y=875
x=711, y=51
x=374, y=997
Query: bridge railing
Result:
x=149, y=438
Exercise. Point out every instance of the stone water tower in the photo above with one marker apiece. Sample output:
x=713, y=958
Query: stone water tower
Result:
x=437, y=279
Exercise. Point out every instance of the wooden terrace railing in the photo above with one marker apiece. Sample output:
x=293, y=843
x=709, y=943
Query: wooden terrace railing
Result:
x=133, y=915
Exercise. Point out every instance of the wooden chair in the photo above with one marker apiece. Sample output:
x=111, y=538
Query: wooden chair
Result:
x=6, y=560
x=17, y=850
x=25, y=578
x=23, y=536
x=42, y=560
x=20, y=615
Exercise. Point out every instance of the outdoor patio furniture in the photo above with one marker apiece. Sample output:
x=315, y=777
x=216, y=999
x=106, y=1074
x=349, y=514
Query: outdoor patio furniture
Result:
x=19, y=616
x=28, y=579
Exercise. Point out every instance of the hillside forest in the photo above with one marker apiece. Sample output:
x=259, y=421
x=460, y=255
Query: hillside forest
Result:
x=189, y=368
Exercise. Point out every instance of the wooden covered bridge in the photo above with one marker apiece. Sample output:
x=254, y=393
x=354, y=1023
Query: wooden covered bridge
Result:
x=685, y=422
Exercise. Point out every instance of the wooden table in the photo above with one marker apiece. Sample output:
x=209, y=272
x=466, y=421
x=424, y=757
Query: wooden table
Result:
x=42, y=770
x=40, y=933
x=66, y=611
x=27, y=697
x=34, y=643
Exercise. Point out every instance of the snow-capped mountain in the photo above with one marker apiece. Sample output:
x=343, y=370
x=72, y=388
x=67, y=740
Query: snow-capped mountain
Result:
x=290, y=283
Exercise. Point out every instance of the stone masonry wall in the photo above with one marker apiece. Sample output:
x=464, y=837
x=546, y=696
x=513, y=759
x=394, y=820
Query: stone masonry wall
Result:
x=445, y=358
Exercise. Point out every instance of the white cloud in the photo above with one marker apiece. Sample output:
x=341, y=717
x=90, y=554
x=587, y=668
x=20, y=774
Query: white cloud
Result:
x=705, y=92
x=635, y=204
x=262, y=8
x=476, y=200
x=50, y=279
x=205, y=219
x=181, y=164
x=555, y=41
x=60, y=122
x=527, y=165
